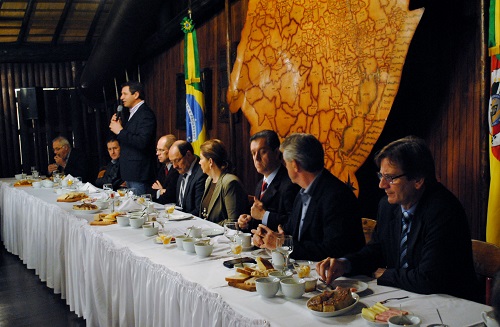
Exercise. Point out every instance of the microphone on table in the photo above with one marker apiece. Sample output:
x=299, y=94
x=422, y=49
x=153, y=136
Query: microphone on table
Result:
x=119, y=113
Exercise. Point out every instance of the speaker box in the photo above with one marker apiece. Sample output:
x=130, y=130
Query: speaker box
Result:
x=30, y=102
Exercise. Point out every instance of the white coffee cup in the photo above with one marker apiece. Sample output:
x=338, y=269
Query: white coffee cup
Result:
x=194, y=232
x=278, y=260
x=246, y=240
x=489, y=319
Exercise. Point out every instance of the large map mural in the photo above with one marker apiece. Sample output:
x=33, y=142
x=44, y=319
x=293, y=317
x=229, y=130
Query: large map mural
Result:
x=327, y=67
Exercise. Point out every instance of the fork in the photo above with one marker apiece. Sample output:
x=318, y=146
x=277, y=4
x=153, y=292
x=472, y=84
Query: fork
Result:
x=393, y=298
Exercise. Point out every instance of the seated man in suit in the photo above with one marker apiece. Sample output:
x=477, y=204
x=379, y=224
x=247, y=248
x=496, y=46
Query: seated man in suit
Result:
x=324, y=219
x=68, y=161
x=275, y=192
x=191, y=182
x=166, y=182
x=421, y=242
x=111, y=173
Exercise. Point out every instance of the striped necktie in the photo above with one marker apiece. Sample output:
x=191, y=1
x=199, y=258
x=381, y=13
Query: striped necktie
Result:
x=263, y=189
x=182, y=190
x=404, y=239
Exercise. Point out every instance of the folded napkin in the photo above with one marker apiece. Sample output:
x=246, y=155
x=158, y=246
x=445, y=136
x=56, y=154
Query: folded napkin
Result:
x=68, y=177
x=88, y=187
x=222, y=239
x=129, y=205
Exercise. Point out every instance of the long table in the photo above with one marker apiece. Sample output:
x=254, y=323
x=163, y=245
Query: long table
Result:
x=116, y=276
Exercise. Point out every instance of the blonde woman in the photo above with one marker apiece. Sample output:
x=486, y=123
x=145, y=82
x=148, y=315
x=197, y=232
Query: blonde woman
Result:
x=224, y=198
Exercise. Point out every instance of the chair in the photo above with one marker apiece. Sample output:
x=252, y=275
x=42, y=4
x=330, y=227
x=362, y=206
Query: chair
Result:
x=486, y=263
x=368, y=227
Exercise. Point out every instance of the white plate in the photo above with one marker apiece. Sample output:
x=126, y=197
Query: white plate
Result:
x=263, y=253
x=378, y=323
x=335, y=313
x=180, y=216
x=349, y=283
x=211, y=232
x=86, y=211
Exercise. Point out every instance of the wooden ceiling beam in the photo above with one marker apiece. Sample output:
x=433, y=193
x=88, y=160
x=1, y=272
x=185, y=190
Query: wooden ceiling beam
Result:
x=43, y=53
x=26, y=20
x=62, y=21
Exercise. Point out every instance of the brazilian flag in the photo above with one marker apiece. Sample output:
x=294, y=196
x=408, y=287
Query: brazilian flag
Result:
x=195, y=101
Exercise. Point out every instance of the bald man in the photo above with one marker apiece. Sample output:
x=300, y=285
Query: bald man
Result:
x=166, y=183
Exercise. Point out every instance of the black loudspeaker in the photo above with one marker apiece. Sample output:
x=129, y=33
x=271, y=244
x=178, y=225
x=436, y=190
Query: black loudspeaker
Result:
x=30, y=101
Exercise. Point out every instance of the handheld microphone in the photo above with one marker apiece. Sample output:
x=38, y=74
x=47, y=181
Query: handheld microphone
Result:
x=119, y=113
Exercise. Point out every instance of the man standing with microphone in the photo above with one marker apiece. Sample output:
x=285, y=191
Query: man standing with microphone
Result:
x=137, y=138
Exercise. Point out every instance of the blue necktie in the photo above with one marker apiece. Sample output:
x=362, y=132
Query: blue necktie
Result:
x=404, y=239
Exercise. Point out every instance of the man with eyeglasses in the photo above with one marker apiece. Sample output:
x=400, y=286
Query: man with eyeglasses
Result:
x=422, y=241
x=68, y=160
x=164, y=189
x=191, y=182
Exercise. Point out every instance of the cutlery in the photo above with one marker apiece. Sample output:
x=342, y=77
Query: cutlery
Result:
x=440, y=319
x=393, y=298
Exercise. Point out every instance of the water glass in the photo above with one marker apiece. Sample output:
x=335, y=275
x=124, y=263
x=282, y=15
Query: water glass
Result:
x=284, y=245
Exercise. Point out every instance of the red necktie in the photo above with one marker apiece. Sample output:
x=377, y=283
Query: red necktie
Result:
x=166, y=170
x=263, y=190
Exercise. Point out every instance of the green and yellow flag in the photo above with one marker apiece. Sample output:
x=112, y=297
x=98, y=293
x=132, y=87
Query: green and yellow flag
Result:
x=195, y=100
x=493, y=218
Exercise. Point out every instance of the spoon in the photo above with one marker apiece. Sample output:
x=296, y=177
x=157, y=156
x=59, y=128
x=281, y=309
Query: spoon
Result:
x=440, y=319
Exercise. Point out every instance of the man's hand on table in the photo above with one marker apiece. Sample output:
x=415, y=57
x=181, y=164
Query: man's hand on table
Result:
x=330, y=268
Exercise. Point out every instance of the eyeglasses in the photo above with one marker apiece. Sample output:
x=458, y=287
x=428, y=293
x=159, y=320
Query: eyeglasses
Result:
x=176, y=161
x=161, y=150
x=58, y=148
x=388, y=178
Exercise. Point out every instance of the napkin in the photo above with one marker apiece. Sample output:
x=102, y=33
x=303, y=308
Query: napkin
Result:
x=89, y=187
x=68, y=177
x=223, y=240
x=129, y=205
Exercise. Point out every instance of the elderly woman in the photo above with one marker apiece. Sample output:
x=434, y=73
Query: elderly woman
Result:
x=224, y=199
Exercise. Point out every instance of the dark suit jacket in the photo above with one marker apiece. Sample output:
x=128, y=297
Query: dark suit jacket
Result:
x=229, y=199
x=439, y=247
x=194, y=190
x=332, y=226
x=278, y=199
x=76, y=165
x=111, y=176
x=138, y=142
x=169, y=183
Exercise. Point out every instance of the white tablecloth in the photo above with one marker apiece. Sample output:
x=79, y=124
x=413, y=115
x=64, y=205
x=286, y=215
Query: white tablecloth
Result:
x=116, y=276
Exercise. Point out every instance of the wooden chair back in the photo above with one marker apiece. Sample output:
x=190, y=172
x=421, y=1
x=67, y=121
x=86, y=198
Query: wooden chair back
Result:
x=486, y=263
x=368, y=227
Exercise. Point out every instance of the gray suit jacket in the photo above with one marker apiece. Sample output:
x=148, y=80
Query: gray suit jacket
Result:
x=229, y=199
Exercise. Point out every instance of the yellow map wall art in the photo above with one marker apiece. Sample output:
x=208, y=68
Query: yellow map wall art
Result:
x=327, y=67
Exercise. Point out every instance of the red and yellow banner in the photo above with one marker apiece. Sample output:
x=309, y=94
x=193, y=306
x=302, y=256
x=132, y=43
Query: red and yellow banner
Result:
x=493, y=218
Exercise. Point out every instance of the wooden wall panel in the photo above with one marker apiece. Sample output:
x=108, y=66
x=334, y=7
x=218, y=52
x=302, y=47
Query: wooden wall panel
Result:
x=441, y=99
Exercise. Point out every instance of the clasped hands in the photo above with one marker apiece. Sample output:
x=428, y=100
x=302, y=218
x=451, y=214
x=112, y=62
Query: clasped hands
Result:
x=157, y=186
x=54, y=166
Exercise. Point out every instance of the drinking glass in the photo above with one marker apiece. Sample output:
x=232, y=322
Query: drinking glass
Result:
x=169, y=209
x=122, y=192
x=231, y=231
x=284, y=245
x=108, y=189
x=33, y=168
x=144, y=199
x=237, y=247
